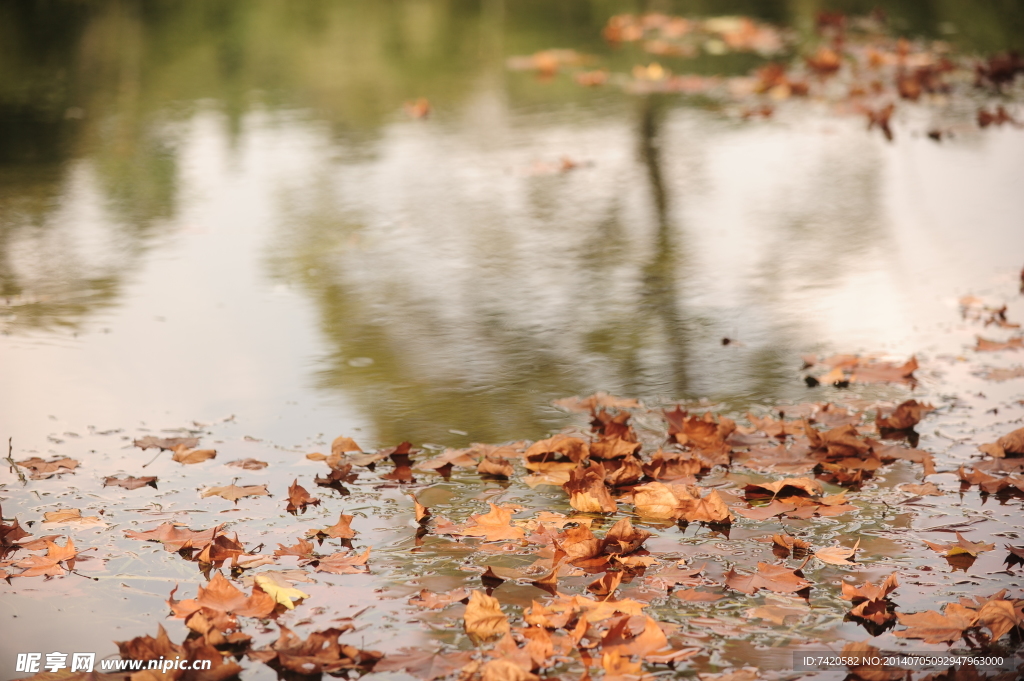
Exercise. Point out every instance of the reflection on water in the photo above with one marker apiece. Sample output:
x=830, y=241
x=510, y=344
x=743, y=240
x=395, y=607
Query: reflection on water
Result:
x=248, y=166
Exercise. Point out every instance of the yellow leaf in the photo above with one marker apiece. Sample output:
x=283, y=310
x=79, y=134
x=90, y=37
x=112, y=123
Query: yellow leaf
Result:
x=280, y=590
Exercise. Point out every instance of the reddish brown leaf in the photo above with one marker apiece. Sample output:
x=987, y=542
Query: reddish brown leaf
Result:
x=299, y=498
x=905, y=416
x=343, y=563
x=234, y=492
x=222, y=596
x=623, y=538
x=960, y=546
x=45, y=469
x=934, y=627
x=50, y=564
x=771, y=577
x=183, y=454
x=340, y=530
x=130, y=482
x=587, y=491
x=248, y=464
x=438, y=601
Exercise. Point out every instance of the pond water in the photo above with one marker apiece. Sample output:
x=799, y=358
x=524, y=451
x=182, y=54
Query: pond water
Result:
x=220, y=217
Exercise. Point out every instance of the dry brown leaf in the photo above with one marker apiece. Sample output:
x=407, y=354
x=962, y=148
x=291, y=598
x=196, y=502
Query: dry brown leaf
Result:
x=484, y=619
x=935, y=627
x=634, y=635
x=960, y=547
x=495, y=467
x=771, y=577
x=587, y=491
x=344, y=563
x=695, y=596
x=708, y=509
x=905, y=416
x=45, y=469
x=183, y=454
x=999, y=617
x=870, y=592
x=220, y=595
x=343, y=445
x=623, y=538
x=130, y=482
x=248, y=464
x=438, y=601
x=985, y=345
x=50, y=564
x=928, y=489
x=71, y=516
x=837, y=555
x=301, y=548
x=421, y=512
x=791, y=487
x=495, y=525
x=234, y=492
x=340, y=530
x=299, y=498
x=1013, y=443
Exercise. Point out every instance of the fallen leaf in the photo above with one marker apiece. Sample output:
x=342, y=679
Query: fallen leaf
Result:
x=960, y=546
x=483, y=618
x=234, y=492
x=695, y=596
x=579, y=543
x=985, y=345
x=623, y=538
x=708, y=509
x=905, y=416
x=130, y=482
x=71, y=516
x=495, y=525
x=634, y=635
x=191, y=651
x=340, y=530
x=771, y=577
x=437, y=601
x=870, y=592
x=166, y=443
x=343, y=445
x=837, y=555
x=1013, y=443
x=927, y=489
x=344, y=563
x=183, y=454
x=50, y=564
x=587, y=491
x=796, y=486
x=46, y=469
x=935, y=627
x=301, y=548
x=248, y=464
x=495, y=467
x=320, y=652
x=1000, y=617
x=279, y=589
x=220, y=595
x=299, y=498
x=606, y=584
x=422, y=512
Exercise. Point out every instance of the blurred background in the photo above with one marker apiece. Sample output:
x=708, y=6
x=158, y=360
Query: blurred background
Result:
x=219, y=208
